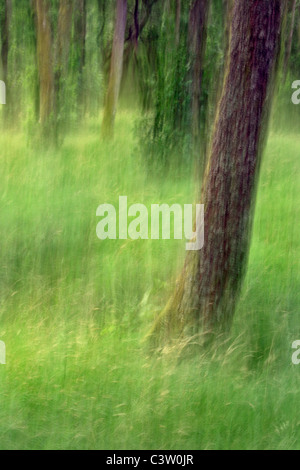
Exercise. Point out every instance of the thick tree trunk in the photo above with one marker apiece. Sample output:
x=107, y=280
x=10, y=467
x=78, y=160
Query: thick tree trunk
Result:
x=45, y=60
x=197, y=34
x=116, y=68
x=207, y=291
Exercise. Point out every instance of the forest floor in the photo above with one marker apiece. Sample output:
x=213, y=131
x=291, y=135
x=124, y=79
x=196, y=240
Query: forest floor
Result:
x=74, y=310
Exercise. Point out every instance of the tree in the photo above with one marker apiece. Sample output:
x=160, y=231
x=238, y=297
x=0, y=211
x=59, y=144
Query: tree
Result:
x=116, y=68
x=62, y=53
x=5, y=24
x=45, y=61
x=80, y=43
x=6, y=12
x=207, y=291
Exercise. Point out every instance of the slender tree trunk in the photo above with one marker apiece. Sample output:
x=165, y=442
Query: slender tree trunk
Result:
x=5, y=37
x=45, y=60
x=290, y=40
x=208, y=289
x=80, y=40
x=64, y=33
x=197, y=34
x=62, y=51
x=5, y=24
x=298, y=26
x=115, y=70
x=136, y=26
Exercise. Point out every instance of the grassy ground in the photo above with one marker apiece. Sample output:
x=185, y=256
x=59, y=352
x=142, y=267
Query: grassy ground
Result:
x=73, y=309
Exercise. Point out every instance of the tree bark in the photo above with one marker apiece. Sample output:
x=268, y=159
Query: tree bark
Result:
x=116, y=68
x=207, y=292
x=45, y=60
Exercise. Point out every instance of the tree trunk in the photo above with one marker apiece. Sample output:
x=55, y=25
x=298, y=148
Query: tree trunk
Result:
x=45, y=60
x=80, y=31
x=5, y=23
x=62, y=50
x=197, y=34
x=116, y=68
x=136, y=26
x=208, y=289
x=5, y=26
x=64, y=33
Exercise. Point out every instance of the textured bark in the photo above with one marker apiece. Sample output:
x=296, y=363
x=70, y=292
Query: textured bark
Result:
x=197, y=34
x=45, y=60
x=116, y=68
x=208, y=289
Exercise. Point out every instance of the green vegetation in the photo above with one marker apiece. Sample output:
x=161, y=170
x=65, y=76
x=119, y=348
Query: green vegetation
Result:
x=74, y=310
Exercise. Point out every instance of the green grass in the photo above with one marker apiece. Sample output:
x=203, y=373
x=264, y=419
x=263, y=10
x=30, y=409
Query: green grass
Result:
x=74, y=310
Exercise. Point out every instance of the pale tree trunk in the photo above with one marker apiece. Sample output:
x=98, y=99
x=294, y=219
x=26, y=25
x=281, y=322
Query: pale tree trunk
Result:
x=116, y=68
x=207, y=292
x=197, y=33
x=45, y=60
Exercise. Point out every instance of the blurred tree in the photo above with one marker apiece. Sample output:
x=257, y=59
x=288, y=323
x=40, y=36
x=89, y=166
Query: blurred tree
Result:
x=79, y=39
x=62, y=59
x=207, y=292
x=45, y=62
x=6, y=11
x=116, y=68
